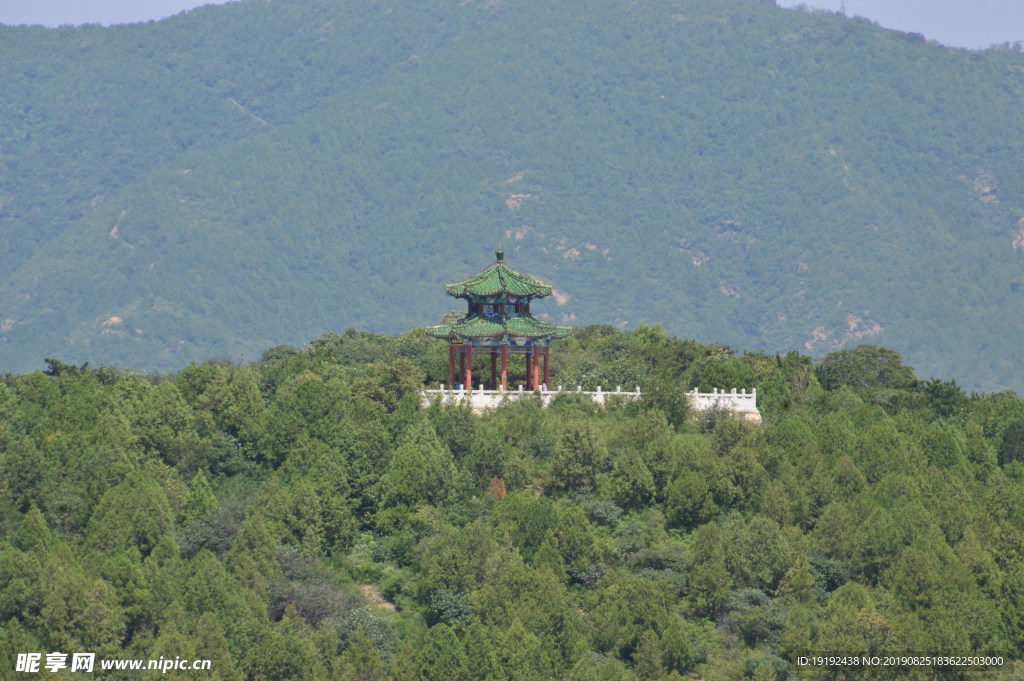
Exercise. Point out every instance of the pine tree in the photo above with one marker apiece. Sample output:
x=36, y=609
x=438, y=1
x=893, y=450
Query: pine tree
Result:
x=578, y=457
x=33, y=534
x=796, y=639
x=798, y=585
x=710, y=581
x=200, y=501
x=549, y=558
x=765, y=672
x=521, y=654
x=171, y=646
x=632, y=484
x=253, y=555
x=211, y=645
x=441, y=657
x=284, y=656
x=77, y=610
x=361, y=661
x=679, y=651
x=132, y=515
x=422, y=470
x=647, y=660
x=15, y=639
x=480, y=652
x=205, y=586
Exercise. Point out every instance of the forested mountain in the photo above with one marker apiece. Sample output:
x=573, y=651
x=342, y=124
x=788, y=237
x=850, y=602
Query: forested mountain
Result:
x=302, y=517
x=253, y=173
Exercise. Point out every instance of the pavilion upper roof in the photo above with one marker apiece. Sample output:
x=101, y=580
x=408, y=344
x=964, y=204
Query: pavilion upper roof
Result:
x=497, y=280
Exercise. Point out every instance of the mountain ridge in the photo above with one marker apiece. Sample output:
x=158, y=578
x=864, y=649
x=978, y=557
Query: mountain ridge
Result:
x=757, y=176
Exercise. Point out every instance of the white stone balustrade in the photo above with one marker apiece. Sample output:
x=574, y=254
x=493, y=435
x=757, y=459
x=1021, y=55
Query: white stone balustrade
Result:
x=741, y=403
x=481, y=400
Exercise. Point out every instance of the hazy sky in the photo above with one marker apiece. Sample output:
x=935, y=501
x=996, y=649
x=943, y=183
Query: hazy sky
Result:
x=963, y=23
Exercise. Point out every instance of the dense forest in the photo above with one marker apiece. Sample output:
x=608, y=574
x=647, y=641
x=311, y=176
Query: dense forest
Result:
x=246, y=175
x=305, y=517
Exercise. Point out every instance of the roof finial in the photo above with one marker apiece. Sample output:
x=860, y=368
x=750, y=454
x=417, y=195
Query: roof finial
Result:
x=499, y=254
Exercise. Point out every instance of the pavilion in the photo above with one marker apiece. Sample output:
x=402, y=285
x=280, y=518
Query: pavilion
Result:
x=498, y=321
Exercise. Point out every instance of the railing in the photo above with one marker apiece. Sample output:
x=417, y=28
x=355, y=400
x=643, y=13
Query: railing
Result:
x=491, y=399
x=740, y=402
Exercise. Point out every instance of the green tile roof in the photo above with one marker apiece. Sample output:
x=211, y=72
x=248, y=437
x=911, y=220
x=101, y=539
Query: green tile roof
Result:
x=499, y=279
x=484, y=327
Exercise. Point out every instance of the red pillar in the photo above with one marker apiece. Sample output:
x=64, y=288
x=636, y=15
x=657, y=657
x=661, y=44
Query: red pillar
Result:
x=547, y=362
x=536, y=367
x=494, y=369
x=504, y=367
x=451, y=366
x=462, y=364
x=529, y=370
x=469, y=367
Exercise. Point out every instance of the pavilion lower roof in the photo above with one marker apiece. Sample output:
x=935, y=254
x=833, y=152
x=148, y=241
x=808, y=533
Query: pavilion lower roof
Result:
x=483, y=327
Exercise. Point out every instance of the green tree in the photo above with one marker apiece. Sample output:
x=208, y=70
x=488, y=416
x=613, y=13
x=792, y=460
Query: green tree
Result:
x=132, y=515
x=25, y=475
x=865, y=366
x=33, y=533
x=282, y=655
x=422, y=470
x=386, y=384
x=200, y=501
x=666, y=397
x=77, y=611
x=162, y=420
x=688, y=503
x=759, y=554
x=578, y=458
x=205, y=586
x=253, y=555
x=521, y=653
x=627, y=609
x=594, y=667
x=441, y=657
x=1012, y=446
x=681, y=649
x=361, y=661
x=210, y=643
x=574, y=536
x=796, y=639
x=851, y=623
x=798, y=585
x=647, y=660
x=710, y=580
x=170, y=645
x=481, y=654
x=632, y=484
x=15, y=640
